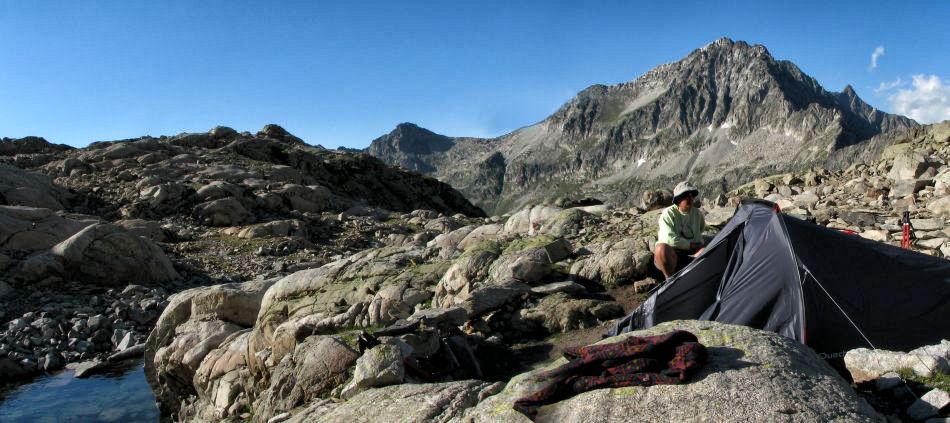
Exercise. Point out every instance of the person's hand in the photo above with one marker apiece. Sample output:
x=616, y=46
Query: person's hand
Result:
x=695, y=245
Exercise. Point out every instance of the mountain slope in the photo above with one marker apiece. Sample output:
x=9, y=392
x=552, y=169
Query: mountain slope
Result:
x=723, y=115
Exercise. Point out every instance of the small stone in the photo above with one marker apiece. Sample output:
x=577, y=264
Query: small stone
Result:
x=644, y=285
x=133, y=289
x=51, y=362
x=101, y=336
x=130, y=352
x=932, y=244
x=405, y=349
x=491, y=297
x=927, y=224
x=857, y=218
x=118, y=335
x=875, y=235
x=86, y=369
x=97, y=321
x=125, y=343
x=441, y=317
x=17, y=324
x=929, y=405
x=940, y=206
x=762, y=188
x=141, y=317
x=379, y=366
x=887, y=381
x=567, y=287
x=149, y=305
x=791, y=180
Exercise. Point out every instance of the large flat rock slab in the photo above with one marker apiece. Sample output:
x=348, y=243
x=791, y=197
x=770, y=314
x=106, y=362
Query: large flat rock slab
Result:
x=751, y=375
x=429, y=402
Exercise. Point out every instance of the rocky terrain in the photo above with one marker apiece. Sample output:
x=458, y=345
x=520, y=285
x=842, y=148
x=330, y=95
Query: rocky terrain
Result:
x=94, y=240
x=267, y=280
x=722, y=116
x=453, y=328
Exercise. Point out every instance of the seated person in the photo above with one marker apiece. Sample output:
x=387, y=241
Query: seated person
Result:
x=680, y=236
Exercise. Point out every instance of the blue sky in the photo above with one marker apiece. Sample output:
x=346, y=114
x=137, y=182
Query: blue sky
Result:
x=343, y=73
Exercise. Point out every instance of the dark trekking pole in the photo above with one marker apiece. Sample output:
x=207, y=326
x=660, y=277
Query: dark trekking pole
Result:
x=908, y=230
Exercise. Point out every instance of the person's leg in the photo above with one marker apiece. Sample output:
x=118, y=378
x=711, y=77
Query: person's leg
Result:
x=664, y=257
x=683, y=259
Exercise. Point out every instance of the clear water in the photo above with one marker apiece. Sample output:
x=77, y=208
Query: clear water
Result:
x=122, y=395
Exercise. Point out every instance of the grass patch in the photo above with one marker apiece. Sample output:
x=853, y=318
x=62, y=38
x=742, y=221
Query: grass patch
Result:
x=400, y=223
x=485, y=246
x=522, y=244
x=349, y=338
x=937, y=381
x=243, y=245
x=425, y=274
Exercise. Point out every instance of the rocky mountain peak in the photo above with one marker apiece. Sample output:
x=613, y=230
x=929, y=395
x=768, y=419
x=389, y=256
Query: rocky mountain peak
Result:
x=727, y=44
x=409, y=128
x=849, y=99
x=405, y=142
x=721, y=116
x=723, y=41
x=410, y=136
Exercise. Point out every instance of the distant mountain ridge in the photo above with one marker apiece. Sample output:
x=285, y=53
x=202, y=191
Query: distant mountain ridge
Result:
x=723, y=115
x=29, y=145
x=407, y=143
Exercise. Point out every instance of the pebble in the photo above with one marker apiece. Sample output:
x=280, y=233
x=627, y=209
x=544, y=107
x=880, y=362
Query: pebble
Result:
x=929, y=404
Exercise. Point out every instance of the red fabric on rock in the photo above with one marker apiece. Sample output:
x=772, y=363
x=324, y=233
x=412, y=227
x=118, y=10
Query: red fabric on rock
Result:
x=665, y=359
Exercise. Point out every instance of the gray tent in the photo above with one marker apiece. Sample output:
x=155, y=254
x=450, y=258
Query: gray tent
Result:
x=829, y=290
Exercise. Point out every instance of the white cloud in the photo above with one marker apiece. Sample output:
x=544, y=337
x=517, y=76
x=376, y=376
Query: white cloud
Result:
x=887, y=86
x=927, y=102
x=878, y=52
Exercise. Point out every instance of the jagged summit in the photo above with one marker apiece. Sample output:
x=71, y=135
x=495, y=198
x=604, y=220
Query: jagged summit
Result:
x=728, y=43
x=721, y=116
x=723, y=41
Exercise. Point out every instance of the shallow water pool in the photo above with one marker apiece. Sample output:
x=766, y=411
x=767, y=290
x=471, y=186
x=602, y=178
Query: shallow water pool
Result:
x=121, y=395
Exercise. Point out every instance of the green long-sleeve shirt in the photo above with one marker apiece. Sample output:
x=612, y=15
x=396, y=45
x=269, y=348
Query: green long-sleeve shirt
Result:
x=678, y=229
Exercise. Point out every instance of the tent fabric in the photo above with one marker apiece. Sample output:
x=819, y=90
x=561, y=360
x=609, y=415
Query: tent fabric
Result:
x=821, y=287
